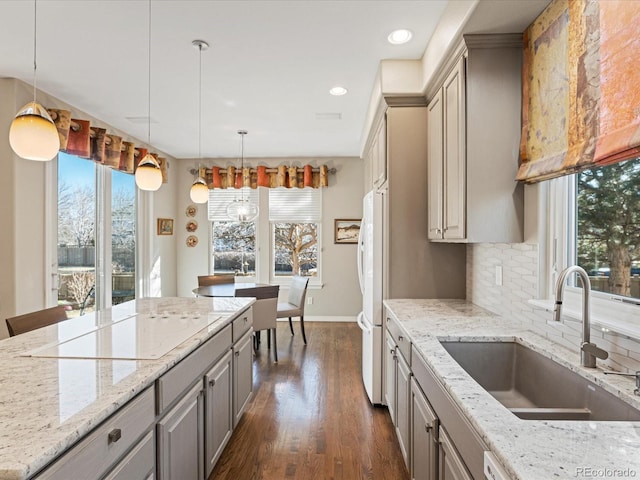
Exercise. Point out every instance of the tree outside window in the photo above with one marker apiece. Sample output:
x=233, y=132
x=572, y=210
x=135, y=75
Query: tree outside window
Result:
x=295, y=249
x=234, y=248
x=608, y=226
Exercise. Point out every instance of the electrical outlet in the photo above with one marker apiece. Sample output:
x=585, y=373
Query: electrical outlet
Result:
x=309, y=300
x=499, y=275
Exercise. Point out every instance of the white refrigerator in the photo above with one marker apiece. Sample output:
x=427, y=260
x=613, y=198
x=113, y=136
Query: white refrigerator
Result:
x=370, y=273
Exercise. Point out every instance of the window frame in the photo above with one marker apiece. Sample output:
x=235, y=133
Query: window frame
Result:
x=283, y=280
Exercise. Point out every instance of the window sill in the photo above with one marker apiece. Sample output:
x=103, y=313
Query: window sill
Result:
x=610, y=315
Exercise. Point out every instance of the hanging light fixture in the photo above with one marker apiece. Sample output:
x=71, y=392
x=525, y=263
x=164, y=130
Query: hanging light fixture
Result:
x=33, y=135
x=199, y=192
x=148, y=174
x=241, y=210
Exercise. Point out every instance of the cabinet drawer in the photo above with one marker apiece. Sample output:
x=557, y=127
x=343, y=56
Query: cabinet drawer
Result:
x=403, y=343
x=140, y=464
x=92, y=457
x=180, y=377
x=242, y=324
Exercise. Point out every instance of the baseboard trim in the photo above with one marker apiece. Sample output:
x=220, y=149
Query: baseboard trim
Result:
x=322, y=318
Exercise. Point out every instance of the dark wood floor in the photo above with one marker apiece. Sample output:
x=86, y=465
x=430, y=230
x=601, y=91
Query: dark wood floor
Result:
x=310, y=417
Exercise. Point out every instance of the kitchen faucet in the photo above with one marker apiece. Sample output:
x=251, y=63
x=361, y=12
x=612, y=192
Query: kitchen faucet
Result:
x=588, y=351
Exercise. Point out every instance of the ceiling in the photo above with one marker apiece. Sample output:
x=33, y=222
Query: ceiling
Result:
x=268, y=70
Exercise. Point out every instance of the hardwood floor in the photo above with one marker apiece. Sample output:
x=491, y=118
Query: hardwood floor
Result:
x=310, y=417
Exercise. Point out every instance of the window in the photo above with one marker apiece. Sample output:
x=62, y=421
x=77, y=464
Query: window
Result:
x=76, y=231
x=295, y=218
x=96, y=234
x=607, y=227
x=290, y=219
x=233, y=244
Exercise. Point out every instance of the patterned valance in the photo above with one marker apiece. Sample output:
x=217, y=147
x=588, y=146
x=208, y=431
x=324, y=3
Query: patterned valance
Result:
x=288, y=176
x=79, y=138
x=581, y=101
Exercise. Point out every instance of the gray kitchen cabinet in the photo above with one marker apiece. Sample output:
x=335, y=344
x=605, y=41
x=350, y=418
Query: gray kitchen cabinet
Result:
x=424, y=437
x=390, y=375
x=451, y=466
x=181, y=438
x=398, y=385
x=242, y=375
x=218, y=413
x=139, y=464
x=473, y=136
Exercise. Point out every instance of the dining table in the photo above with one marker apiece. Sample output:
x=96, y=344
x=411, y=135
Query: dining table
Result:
x=257, y=290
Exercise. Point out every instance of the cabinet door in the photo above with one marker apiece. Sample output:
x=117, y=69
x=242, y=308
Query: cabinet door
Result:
x=453, y=98
x=424, y=437
x=180, y=439
x=451, y=466
x=218, y=414
x=390, y=375
x=139, y=464
x=242, y=375
x=403, y=406
x=435, y=173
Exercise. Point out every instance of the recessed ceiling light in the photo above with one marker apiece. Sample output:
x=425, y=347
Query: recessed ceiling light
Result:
x=398, y=37
x=337, y=91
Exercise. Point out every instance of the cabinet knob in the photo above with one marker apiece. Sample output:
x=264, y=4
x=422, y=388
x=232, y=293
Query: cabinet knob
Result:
x=237, y=353
x=212, y=382
x=400, y=338
x=115, y=435
x=246, y=319
x=428, y=428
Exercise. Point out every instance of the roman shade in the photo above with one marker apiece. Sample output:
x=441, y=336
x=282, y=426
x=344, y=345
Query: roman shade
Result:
x=219, y=200
x=295, y=206
x=581, y=101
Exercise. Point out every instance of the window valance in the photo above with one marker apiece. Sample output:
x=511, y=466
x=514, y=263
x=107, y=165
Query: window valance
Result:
x=79, y=138
x=288, y=176
x=581, y=101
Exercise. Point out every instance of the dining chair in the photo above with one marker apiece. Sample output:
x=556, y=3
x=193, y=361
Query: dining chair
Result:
x=206, y=280
x=264, y=313
x=31, y=321
x=294, y=306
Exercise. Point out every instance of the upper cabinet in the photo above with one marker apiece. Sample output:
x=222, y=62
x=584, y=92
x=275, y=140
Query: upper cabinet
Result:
x=377, y=155
x=473, y=140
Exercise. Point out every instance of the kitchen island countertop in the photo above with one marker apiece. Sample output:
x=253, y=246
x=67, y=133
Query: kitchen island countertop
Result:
x=48, y=403
x=528, y=449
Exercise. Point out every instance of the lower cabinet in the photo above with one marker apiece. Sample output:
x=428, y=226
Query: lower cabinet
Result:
x=424, y=437
x=181, y=438
x=398, y=387
x=218, y=412
x=451, y=465
x=140, y=463
x=242, y=375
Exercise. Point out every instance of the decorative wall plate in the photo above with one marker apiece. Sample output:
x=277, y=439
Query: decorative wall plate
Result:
x=192, y=226
x=192, y=241
x=191, y=211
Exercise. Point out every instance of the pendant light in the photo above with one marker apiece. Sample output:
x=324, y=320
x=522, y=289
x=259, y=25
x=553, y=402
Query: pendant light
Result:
x=148, y=174
x=33, y=135
x=241, y=210
x=199, y=192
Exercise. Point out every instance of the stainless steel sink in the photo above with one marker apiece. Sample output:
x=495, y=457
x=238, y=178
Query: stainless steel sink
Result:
x=533, y=387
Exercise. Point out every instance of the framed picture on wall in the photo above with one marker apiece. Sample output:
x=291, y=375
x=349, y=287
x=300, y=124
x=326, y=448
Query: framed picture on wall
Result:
x=346, y=230
x=165, y=226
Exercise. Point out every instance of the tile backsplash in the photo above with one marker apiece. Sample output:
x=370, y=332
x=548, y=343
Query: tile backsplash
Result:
x=519, y=268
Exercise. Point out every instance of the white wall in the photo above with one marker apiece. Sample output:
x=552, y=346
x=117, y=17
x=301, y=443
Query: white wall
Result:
x=340, y=294
x=24, y=238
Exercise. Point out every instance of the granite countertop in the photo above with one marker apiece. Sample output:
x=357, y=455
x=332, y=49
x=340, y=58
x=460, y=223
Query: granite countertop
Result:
x=47, y=403
x=528, y=449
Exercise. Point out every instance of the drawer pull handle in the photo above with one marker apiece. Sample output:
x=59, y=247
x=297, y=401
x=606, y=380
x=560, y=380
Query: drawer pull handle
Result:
x=237, y=354
x=246, y=319
x=400, y=338
x=212, y=382
x=115, y=435
x=428, y=428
